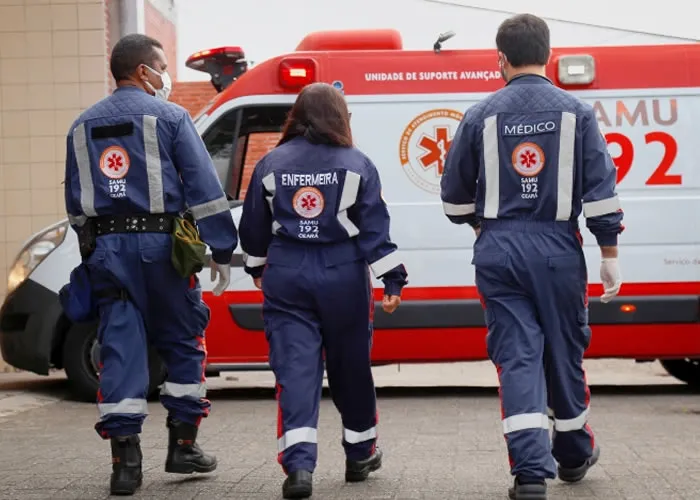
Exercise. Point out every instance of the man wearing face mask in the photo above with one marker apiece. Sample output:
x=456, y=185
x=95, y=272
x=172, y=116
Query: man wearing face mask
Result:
x=523, y=164
x=135, y=164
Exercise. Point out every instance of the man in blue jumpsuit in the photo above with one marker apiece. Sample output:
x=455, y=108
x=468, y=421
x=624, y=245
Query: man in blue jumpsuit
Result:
x=134, y=163
x=523, y=164
x=313, y=220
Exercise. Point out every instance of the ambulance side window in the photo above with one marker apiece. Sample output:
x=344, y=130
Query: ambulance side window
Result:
x=219, y=142
x=260, y=130
x=258, y=145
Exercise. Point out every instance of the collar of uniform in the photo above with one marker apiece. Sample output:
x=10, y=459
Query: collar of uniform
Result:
x=528, y=79
x=129, y=88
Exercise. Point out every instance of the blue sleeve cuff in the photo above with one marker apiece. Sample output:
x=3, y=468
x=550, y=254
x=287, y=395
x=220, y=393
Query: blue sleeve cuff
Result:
x=221, y=256
x=394, y=287
x=255, y=272
x=606, y=239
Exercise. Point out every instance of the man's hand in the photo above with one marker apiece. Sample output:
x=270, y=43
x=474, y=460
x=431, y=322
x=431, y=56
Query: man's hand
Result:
x=258, y=283
x=224, y=273
x=477, y=231
x=390, y=303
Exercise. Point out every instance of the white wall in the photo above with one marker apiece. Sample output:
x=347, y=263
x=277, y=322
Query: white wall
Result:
x=211, y=23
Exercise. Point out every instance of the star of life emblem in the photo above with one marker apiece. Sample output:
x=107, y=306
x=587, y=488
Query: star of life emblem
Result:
x=424, y=146
x=114, y=162
x=528, y=159
x=308, y=202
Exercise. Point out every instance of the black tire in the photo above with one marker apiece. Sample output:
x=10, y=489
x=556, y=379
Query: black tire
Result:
x=686, y=370
x=81, y=372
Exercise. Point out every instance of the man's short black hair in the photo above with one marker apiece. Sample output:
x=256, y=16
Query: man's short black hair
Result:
x=130, y=52
x=524, y=39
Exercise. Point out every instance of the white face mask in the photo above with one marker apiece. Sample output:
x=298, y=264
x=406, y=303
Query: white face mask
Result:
x=164, y=92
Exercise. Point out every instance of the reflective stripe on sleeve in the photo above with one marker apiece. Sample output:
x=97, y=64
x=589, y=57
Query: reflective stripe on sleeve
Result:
x=492, y=168
x=296, y=436
x=124, y=407
x=195, y=391
x=572, y=424
x=385, y=264
x=565, y=173
x=210, y=208
x=354, y=437
x=348, y=197
x=271, y=187
x=154, y=169
x=252, y=261
x=525, y=421
x=452, y=209
x=601, y=207
x=82, y=157
x=77, y=220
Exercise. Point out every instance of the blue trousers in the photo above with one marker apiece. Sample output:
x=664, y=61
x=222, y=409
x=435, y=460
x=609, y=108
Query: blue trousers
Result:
x=312, y=308
x=164, y=310
x=532, y=279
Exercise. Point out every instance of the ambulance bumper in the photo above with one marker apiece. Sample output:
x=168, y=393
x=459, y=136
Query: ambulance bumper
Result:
x=28, y=320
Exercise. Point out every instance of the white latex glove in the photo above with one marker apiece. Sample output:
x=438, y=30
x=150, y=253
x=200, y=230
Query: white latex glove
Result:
x=612, y=281
x=224, y=272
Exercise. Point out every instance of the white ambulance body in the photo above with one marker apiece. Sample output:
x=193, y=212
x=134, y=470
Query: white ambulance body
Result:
x=405, y=108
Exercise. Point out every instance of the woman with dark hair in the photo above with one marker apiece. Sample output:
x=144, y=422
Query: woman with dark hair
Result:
x=313, y=222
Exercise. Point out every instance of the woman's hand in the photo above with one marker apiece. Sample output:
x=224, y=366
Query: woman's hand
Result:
x=390, y=303
x=258, y=283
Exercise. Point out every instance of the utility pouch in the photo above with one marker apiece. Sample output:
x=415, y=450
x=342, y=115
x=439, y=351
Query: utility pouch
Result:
x=189, y=252
x=77, y=297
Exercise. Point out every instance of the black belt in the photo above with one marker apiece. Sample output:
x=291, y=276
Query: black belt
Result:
x=144, y=223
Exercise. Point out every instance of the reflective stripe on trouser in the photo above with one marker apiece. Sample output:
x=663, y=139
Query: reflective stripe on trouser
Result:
x=309, y=309
x=532, y=279
x=176, y=317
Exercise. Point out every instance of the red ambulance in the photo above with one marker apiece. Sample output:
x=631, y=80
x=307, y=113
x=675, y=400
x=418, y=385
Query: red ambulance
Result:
x=406, y=106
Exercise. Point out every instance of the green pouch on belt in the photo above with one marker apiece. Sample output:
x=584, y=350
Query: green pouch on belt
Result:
x=189, y=252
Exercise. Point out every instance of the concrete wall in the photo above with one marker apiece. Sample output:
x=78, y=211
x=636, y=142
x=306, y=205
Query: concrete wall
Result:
x=161, y=24
x=54, y=63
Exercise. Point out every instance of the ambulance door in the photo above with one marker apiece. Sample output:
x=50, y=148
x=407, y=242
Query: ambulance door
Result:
x=236, y=141
x=407, y=138
x=237, y=138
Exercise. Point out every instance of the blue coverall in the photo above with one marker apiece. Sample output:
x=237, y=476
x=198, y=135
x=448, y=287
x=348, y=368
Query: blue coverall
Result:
x=523, y=164
x=132, y=154
x=313, y=219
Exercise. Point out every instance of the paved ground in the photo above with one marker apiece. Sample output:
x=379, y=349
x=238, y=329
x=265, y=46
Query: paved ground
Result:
x=440, y=443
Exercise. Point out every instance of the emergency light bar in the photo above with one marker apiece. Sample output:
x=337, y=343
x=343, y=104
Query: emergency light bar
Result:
x=224, y=64
x=576, y=69
x=295, y=73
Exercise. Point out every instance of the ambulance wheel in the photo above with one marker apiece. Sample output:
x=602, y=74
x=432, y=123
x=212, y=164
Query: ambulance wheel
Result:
x=81, y=354
x=686, y=370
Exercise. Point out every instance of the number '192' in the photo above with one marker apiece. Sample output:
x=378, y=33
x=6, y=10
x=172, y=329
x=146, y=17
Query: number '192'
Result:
x=660, y=176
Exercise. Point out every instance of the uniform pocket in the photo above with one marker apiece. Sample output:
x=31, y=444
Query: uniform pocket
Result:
x=155, y=254
x=201, y=314
x=586, y=332
x=564, y=262
x=490, y=259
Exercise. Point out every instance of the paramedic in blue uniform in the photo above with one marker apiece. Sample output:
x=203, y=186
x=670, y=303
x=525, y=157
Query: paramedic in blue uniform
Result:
x=314, y=222
x=524, y=163
x=134, y=161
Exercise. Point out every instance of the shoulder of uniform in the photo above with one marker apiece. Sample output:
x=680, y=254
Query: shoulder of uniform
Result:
x=82, y=118
x=478, y=111
x=583, y=108
x=170, y=111
x=357, y=159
